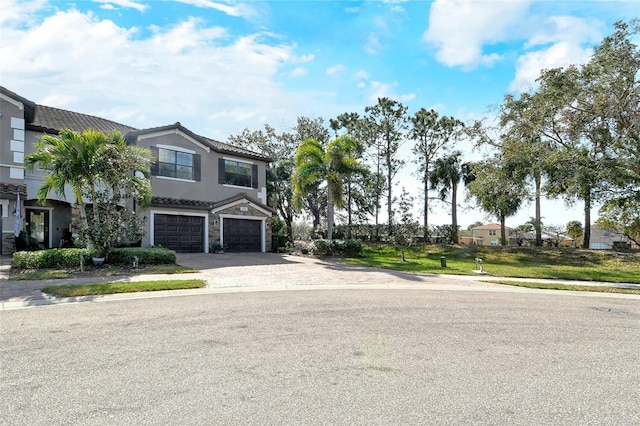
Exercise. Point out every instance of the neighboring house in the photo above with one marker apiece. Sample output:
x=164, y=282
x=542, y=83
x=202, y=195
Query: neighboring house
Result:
x=465, y=236
x=204, y=191
x=549, y=239
x=489, y=234
x=602, y=239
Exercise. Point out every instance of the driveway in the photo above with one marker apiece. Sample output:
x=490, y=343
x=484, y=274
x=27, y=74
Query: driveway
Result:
x=241, y=272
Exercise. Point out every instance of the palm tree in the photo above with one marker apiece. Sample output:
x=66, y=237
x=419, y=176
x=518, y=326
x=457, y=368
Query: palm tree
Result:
x=315, y=165
x=99, y=166
x=68, y=160
x=446, y=176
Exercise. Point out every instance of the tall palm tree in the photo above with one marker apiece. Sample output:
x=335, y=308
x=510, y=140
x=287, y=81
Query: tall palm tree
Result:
x=316, y=165
x=446, y=176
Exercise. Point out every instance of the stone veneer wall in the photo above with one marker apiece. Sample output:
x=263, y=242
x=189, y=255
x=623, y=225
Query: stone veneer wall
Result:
x=8, y=244
x=214, y=222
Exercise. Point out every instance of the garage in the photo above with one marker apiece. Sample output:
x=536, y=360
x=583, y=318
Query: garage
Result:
x=242, y=235
x=184, y=234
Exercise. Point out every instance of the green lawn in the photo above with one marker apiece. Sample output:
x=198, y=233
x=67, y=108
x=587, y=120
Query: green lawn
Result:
x=78, y=290
x=569, y=287
x=104, y=271
x=517, y=262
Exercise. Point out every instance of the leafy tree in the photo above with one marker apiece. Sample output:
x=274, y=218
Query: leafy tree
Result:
x=555, y=234
x=387, y=123
x=574, y=230
x=101, y=169
x=432, y=135
x=315, y=165
x=524, y=145
x=521, y=232
x=498, y=190
x=446, y=176
x=591, y=112
x=361, y=187
x=407, y=229
x=474, y=225
x=622, y=219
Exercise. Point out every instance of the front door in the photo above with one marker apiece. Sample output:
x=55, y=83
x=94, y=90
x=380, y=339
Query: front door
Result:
x=38, y=223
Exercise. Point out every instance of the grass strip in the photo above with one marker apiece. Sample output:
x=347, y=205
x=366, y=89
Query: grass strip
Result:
x=107, y=271
x=78, y=290
x=570, y=287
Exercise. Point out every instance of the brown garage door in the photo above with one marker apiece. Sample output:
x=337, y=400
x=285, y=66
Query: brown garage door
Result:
x=184, y=234
x=242, y=235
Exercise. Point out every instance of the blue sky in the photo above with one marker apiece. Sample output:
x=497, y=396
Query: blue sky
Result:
x=221, y=66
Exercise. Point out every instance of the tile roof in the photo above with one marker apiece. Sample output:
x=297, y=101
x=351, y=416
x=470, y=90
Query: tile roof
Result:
x=9, y=190
x=205, y=205
x=51, y=120
x=491, y=226
x=180, y=202
x=217, y=146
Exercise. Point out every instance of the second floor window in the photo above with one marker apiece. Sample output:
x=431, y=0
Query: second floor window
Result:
x=175, y=164
x=492, y=232
x=238, y=173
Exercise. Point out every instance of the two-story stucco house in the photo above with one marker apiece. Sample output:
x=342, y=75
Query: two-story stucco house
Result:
x=489, y=234
x=204, y=191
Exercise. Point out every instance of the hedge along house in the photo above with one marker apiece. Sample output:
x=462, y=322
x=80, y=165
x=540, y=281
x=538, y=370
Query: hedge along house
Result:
x=204, y=191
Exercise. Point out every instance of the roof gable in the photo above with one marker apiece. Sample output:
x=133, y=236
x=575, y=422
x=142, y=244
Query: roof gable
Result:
x=240, y=198
x=201, y=141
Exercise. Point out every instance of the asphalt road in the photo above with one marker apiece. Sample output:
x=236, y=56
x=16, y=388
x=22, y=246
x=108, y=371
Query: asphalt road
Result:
x=325, y=357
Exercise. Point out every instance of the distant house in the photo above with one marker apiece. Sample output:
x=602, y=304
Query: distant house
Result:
x=204, y=191
x=489, y=234
x=549, y=239
x=602, y=239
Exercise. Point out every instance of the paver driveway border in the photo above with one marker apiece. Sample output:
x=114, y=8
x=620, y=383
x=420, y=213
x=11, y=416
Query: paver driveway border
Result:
x=244, y=272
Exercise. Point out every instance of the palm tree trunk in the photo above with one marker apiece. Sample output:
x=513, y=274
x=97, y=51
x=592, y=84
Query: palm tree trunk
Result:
x=586, y=239
x=425, y=179
x=454, y=213
x=329, y=213
x=503, y=231
x=538, y=224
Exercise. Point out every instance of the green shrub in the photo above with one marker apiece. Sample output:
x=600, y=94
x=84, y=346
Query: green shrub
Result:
x=51, y=259
x=346, y=248
x=70, y=257
x=352, y=248
x=278, y=240
x=322, y=248
x=146, y=256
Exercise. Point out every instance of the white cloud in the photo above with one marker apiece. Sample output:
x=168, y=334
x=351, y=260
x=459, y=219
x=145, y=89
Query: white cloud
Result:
x=459, y=29
x=110, y=4
x=336, y=69
x=299, y=72
x=377, y=89
x=187, y=72
x=372, y=44
x=304, y=58
x=241, y=10
x=20, y=12
x=563, y=39
x=362, y=74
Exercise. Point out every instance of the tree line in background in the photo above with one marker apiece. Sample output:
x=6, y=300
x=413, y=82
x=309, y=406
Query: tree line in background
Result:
x=575, y=137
